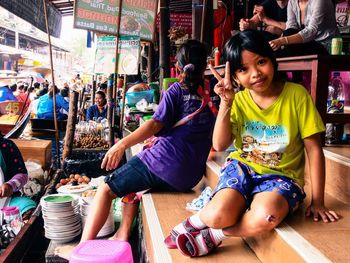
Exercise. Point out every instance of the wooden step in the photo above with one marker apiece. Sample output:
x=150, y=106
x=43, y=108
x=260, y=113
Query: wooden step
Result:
x=162, y=211
x=297, y=239
x=337, y=171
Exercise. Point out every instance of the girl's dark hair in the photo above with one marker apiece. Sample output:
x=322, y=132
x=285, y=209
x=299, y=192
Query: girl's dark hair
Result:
x=253, y=41
x=102, y=94
x=195, y=53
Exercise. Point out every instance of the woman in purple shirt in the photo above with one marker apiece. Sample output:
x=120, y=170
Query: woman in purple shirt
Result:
x=176, y=162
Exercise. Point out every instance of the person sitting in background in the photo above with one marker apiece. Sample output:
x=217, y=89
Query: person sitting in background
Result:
x=103, y=87
x=45, y=106
x=310, y=27
x=6, y=93
x=65, y=94
x=13, y=172
x=271, y=13
x=99, y=109
x=22, y=95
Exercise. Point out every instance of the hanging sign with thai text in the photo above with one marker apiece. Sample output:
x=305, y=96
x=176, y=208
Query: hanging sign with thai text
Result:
x=138, y=17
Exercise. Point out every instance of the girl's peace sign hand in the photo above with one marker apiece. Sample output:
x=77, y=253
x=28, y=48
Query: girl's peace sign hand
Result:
x=224, y=88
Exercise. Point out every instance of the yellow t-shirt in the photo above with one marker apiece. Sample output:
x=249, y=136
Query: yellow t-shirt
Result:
x=270, y=140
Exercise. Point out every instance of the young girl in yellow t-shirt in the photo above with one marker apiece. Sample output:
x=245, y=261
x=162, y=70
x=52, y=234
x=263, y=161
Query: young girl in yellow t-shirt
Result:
x=270, y=122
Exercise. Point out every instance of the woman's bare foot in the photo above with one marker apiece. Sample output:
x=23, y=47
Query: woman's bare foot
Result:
x=64, y=251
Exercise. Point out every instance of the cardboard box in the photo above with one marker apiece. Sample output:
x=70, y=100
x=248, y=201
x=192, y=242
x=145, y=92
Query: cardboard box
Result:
x=35, y=149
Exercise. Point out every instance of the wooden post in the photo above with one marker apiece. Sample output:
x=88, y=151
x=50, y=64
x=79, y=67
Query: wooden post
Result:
x=93, y=90
x=164, y=41
x=71, y=121
x=110, y=116
x=122, y=108
x=196, y=19
x=204, y=14
x=150, y=62
x=53, y=84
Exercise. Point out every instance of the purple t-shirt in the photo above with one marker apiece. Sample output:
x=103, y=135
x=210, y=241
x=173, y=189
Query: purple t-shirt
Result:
x=179, y=155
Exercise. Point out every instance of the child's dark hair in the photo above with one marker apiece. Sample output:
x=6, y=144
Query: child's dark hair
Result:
x=192, y=60
x=251, y=40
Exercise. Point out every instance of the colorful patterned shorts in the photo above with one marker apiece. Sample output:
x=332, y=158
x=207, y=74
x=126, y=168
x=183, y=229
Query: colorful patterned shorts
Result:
x=239, y=176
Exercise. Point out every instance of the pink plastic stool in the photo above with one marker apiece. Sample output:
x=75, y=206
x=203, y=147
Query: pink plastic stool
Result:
x=102, y=251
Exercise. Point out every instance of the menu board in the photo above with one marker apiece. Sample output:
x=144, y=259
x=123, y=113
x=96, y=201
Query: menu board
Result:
x=137, y=17
x=129, y=53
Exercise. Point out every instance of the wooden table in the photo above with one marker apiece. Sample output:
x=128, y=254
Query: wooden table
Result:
x=320, y=66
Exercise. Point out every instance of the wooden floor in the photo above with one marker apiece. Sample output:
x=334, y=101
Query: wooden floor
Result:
x=171, y=211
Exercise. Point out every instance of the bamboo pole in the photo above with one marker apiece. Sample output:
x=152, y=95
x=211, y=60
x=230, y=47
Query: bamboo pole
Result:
x=71, y=121
x=53, y=84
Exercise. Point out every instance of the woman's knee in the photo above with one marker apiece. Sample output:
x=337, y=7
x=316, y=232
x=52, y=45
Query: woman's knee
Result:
x=105, y=190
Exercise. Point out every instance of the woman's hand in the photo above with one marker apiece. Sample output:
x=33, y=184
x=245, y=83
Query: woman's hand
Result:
x=224, y=88
x=113, y=156
x=260, y=12
x=320, y=211
x=6, y=190
x=244, y=24
x=277, y=43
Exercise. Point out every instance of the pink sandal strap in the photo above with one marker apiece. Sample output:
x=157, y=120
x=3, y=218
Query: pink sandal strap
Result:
x=188, y=244
x=170, y=240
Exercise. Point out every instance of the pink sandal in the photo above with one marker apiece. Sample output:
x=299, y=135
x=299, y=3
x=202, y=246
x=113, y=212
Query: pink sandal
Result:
x=188, y=243
x=170, y=240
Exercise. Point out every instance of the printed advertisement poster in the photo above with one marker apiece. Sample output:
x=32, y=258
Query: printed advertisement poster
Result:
x=138, y=17
x=105, y=55
x=129, y=52
x=97, y=15
x=129, y=48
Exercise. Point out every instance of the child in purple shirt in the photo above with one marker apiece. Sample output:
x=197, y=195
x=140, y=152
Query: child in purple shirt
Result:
x=176, y=161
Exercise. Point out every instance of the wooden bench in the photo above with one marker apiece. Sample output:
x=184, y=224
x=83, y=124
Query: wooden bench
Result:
x=320, y=67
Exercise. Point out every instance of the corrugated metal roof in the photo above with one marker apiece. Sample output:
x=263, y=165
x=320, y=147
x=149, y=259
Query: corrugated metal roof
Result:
x=65, y=7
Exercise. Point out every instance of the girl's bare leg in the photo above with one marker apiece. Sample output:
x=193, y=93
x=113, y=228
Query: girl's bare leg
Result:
x=268, y=209
x=224, y=210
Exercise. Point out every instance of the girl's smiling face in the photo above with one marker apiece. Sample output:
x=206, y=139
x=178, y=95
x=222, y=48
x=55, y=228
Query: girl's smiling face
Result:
x=256, y=73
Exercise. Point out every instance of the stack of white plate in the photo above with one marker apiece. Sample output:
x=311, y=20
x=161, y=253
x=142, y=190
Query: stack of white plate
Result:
x=107, y=228
x=62, y=221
